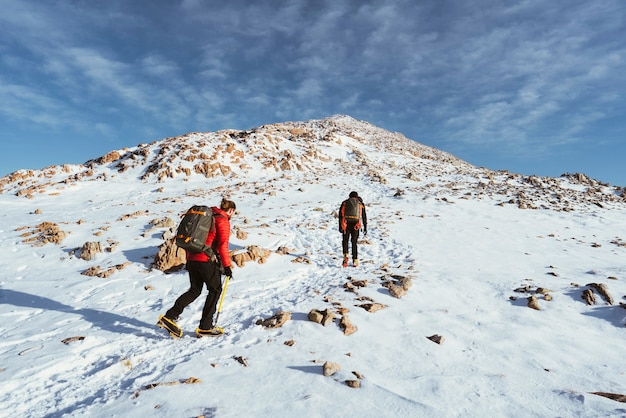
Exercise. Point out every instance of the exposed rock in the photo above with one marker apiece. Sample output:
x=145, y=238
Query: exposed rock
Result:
x=321, y=317
x=342, y=310
x=397, y=291
x=330, y=368
x=252, y=253
x=356, y=384
x=301, y=259
x=614, y=396
x=315, y=316
x=72, y=339
x=603, y=291
x=96, y=271
x=133, y=215
x=372, y=307
x=241, y=234
x=89, y=250
x=347, y=326
x=44, y=233
x=163, y=223
x=283, y=250
x=169, y=258
x=358, y=375
x=276, y=321
x=191, y=380
x=352, y=285
x=109, y=158
x=242, y=360
x=112, y=246
x=399, y=286
x=436, y=339
x=589, y=297
x=533, y=303
x=91, y=271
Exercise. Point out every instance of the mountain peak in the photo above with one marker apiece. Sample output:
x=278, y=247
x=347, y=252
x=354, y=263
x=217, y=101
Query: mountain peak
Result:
x=338, y=145
x=336, y=142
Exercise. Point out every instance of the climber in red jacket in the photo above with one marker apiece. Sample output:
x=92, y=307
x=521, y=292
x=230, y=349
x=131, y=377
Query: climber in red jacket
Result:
x=204, y=271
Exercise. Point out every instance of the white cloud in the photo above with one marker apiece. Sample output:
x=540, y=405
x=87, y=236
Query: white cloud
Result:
x=475, y=74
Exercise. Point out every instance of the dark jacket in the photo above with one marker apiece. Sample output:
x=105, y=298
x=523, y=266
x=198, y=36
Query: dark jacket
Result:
x=356, y=223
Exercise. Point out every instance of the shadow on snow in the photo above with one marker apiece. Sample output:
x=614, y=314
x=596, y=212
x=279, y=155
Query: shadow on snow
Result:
x=101, y=319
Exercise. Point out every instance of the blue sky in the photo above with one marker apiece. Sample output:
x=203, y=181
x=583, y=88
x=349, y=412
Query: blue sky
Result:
x=534, y=87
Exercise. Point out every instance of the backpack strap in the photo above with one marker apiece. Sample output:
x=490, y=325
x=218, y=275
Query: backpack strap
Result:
x=208, y=250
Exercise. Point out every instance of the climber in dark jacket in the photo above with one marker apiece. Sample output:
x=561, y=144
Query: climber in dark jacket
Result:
x=352, y=217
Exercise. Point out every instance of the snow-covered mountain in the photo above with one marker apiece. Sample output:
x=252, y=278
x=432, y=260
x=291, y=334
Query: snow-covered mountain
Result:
x=81, y=289
x=311, y=149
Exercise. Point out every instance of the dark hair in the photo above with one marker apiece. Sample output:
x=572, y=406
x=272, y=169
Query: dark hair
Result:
x=354, y=194
x=227, y=204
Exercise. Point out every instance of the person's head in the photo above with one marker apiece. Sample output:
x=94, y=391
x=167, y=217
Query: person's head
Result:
x=354, y=194
x=228, y=206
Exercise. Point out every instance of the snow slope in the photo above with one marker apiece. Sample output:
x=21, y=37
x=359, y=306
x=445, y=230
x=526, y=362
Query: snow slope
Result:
x=459, y=232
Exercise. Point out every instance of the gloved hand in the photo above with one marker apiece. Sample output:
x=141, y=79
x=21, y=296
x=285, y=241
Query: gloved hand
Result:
x=228, y=272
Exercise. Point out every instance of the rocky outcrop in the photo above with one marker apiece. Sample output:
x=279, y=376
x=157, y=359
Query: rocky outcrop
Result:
x=42, y=234
x=169, y=258
x=89, y=250
x=602, y=290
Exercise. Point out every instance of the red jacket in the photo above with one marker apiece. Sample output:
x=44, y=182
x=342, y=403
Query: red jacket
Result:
x=217, y=238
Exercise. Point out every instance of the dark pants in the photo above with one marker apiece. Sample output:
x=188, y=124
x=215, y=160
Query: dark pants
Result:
x=351, y=234
x=200, y=273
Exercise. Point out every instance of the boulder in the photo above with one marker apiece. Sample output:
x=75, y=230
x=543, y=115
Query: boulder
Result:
x=89, y=250
x=169, y=258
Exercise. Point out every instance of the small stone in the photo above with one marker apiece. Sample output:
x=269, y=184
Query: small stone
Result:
x=358, y=375
x=436, y=339
x=347, y=326
x=353, y=383
x=533, y=303
x=330, y=368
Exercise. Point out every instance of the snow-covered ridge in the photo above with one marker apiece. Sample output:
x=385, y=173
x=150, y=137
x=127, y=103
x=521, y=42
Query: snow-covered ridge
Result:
x=337, y=144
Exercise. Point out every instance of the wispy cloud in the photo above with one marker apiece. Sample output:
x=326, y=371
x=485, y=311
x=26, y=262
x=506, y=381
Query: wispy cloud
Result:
x=472, y=73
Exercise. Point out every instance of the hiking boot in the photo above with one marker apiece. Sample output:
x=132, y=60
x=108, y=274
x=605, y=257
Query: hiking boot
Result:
x=355, y=262
x=171, y=326
x=345, y=261
x=212, y=332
